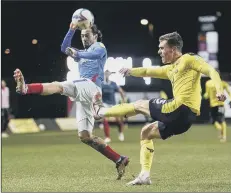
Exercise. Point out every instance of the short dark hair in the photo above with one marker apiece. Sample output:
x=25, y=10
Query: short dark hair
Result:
x=173, y=39
x=95, y=30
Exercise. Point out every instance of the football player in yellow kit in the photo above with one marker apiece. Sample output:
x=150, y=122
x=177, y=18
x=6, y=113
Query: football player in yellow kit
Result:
x=217, y=109
x=173, y=116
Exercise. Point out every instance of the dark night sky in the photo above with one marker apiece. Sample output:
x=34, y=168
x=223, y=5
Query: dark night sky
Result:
x=119, y=21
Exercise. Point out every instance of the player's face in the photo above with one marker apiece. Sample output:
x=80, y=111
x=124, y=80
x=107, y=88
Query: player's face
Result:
x=88, y=38
x=3, y=84
x=166, y=52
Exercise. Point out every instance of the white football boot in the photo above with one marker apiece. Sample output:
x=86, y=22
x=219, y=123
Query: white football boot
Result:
x=142, y=179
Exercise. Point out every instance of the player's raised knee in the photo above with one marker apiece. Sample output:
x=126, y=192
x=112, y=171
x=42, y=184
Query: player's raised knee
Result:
x=84, y=136
x=58, y=86
x=138, y=104
x=150, y=131
x=141, y=106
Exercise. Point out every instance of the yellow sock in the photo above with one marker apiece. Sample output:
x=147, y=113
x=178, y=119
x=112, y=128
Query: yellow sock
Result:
x=224, y=126
x=217, y=126
x=146, y=155
x=121, y=110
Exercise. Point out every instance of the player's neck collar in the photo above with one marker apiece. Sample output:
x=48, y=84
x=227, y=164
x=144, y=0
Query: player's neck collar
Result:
x=177, y=58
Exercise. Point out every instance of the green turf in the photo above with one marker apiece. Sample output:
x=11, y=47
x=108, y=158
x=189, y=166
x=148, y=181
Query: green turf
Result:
x=57, y=161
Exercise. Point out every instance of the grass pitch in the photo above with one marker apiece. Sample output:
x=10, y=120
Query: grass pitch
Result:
x=57, y=161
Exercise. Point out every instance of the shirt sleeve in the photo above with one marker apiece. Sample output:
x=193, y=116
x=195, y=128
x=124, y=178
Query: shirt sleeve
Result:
x=200, y=65
x=67, y=40
x=94, y=54
x=159, y=72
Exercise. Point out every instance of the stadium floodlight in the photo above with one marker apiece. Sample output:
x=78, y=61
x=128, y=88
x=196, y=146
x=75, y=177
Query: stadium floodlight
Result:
x=207, y=19
x=144, y=22
x=147, y=62
x=34, y=41
x=212, y=42
x=7, y=51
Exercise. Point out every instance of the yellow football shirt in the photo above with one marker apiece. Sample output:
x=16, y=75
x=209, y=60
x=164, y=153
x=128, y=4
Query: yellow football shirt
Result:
x=185, y=75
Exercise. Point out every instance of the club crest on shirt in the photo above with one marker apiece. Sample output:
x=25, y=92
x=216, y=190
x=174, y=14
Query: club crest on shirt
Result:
x=82, y=61
x=102, y=45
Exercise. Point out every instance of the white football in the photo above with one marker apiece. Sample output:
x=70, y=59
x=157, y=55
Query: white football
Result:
x=83, y=18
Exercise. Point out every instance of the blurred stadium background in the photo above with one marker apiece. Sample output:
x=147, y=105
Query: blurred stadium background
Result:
x=36, y=153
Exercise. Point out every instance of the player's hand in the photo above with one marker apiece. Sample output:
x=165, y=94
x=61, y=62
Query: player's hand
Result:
x=221, y=96
x=73, y=26
x=125, y=71
x=71, y=52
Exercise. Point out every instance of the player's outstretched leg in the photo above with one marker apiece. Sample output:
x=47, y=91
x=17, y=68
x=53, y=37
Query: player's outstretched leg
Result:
x=148, y=133
x=99, y=145
x=121, y=110
x=35, y=88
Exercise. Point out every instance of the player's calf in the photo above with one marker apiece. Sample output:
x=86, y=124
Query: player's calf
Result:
x=99, y=145
x=52, y=88
x=95, y=142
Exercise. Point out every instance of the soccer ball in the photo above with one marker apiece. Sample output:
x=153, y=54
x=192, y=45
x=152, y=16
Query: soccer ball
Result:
x=83, y=18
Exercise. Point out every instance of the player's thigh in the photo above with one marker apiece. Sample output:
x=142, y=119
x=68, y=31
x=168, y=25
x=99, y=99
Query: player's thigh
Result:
x=84, y=110
x=142, y=106
x=85, y=90
x=179, y=126
x=69, y=89
x=176, y=122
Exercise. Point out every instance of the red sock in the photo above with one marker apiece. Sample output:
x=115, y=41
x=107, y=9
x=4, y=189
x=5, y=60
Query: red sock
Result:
x=111, y=154
x=36, y=88
x=106, y=128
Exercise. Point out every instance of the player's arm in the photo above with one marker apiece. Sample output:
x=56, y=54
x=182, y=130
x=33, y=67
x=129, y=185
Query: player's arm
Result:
x=206, y=95
x=226, y=87
x=198, y=64
x=159, y=72
x=117, y=88
x=122, y=93
x=68, y=38
x=97, y=53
